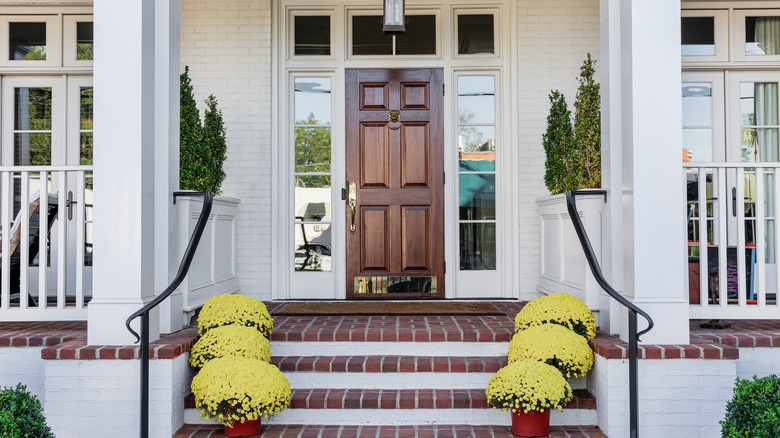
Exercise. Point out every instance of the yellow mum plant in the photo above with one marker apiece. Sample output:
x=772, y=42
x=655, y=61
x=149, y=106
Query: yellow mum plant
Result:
x=559, y=308
x=554, y=345
x=229, y=309
x=528, y=385
x=230, y=340
x=231, y=388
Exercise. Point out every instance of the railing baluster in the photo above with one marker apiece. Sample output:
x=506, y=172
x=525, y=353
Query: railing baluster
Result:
x=777, y=233
x=81, y=206
x=5, y=217
x=722, y=237
x=24, y=226
x=741, y=237
x=43, y=222
x=759, y=277
x=703, y=238
x=62, y=239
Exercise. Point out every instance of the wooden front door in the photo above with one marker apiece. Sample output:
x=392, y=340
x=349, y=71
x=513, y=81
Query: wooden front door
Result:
x=395, y=178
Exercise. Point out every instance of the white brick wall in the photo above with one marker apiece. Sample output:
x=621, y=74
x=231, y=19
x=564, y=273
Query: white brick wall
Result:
x=553, y=39
x=678, y=397
x=23, y=365
x=758, y=361
x=105, y=395
x=227, y=45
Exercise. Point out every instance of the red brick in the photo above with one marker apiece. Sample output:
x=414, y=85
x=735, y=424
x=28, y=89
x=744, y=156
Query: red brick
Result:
x=370, y=399
x=388, y=399
x=408, y=398
x=339, y=364
x=389, y=336
x=390, y=364
x=358, y=336
x=88, y=352
x=424, y=364
x=352, y=399
x=68, y=352
x=407, y=364
x=373, y=364
x=405, y=336
x=355, y=364
x=479, y=399
x=298, y=400
x=49, y=353
x=306, y=364
x=711, y=352
x=317, y=399
x=322, y=364
x=443, y=399
x=651, y=352
x=457, y=364
x=461, y=399
x=440, y=365
x=425, y=399
x=692, y=352
x=335, y=399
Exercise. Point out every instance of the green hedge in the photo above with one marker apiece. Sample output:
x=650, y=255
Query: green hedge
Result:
x=754, y=412
x=21, y=414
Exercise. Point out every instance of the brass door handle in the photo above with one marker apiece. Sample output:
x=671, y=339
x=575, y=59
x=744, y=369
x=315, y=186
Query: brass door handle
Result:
x=352, y=204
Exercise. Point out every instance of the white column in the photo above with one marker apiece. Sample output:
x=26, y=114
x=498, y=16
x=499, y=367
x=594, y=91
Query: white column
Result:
x=653, y=231
x=124, y=80
x=167, y=159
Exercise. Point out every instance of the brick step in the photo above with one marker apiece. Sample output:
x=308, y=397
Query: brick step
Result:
x=410, y=431
x=390, y=364
x=404, y=406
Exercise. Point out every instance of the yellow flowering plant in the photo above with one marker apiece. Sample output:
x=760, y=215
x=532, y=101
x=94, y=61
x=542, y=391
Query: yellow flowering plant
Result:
x=229, y=309
x=528, y=385
x=559, y=308
x=230, y=340
x=554, y=345
x=232, y=388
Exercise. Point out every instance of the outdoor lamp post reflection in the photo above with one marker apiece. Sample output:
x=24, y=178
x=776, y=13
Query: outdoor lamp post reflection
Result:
x=393, y=17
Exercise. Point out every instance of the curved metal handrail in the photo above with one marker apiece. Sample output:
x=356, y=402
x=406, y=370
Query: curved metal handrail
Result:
x=143, y=312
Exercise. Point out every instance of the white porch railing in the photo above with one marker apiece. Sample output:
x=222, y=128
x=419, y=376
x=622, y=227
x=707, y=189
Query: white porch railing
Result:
x=45, y=243
x=738, y=238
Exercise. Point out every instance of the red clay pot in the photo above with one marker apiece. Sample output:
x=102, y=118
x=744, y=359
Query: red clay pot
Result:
x=247, y=428
x=532, y=423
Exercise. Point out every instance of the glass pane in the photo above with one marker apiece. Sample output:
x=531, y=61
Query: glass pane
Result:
x=477, y=148
x=698, y=36
x=312, y=150
x=477, y=247
x=769, y=194
x=86, y=107
x=32, y=109
x=762, y=35
x=699, y=142
x=769, y=226
x=86, y=148
x=312, y=247
x=420, y=36
x=758, y=103
x=697, y=104
x=367, y=37
x=32, y=149
x=312, y=35
x=477, y=194
x=84, y=41
x=312, y=101
x=395, y=285
x=760, y=145
x=476, y=99
x=475, y=34
x=27, y=41
x=312, y=198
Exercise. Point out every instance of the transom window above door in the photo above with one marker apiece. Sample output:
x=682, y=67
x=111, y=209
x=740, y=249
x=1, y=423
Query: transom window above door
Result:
x=367, y=38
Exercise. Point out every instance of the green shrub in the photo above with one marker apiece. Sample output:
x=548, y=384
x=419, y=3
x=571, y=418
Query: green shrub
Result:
x=587, y=126
x=21, y=414
x=754, y=412
x=560, y=172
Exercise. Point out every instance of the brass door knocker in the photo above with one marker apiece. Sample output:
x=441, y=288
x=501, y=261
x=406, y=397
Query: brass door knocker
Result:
x=394, y=117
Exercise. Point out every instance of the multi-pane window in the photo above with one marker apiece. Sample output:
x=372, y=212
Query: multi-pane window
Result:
x=312, y=173
x=476, y=141
x=32, y=126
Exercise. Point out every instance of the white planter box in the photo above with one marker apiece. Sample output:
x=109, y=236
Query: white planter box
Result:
x=564, y=267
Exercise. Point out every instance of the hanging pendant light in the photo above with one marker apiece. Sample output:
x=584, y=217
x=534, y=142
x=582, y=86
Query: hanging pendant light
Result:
x=393, y=17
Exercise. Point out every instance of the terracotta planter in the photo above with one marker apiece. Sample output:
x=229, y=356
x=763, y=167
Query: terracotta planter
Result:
x=247, y=428
x=532, y=423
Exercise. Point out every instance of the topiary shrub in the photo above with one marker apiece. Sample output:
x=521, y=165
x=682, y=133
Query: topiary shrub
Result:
x=754, y=412
x=21, y=414
x=587, y=126
x=558, y=141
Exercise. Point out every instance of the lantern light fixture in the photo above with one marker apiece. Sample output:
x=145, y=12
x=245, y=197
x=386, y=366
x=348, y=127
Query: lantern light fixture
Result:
x=393, y=20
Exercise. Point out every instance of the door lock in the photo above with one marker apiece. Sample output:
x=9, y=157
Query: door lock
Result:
x=352, y=204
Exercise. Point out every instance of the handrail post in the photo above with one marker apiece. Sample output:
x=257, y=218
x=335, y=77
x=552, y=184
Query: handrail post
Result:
x=633, y=379
x=145, y=375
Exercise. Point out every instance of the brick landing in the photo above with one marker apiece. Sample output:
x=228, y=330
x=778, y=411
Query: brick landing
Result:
x=438, y=431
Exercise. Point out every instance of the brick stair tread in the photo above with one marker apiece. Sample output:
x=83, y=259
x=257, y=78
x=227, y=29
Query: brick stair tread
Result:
x=426, y=431
x=402, y=399
x=390, y=364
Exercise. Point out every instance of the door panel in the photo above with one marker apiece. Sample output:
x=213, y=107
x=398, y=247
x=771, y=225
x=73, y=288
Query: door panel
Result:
x=394, y=150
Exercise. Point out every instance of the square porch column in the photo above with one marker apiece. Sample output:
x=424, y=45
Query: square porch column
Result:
x=643, y=135
x=132, y=131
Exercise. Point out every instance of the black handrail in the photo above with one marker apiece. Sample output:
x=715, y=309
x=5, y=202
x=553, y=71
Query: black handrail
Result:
x=184, y=267
x=633, y=336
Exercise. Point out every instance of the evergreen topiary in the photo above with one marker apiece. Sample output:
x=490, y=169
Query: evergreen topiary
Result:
x=587, y=126
x=754, y=412
x=214, y=139
x=21, y=415
x=558, y=140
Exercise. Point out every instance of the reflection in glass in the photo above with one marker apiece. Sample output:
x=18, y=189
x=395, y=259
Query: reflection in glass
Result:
x=312, y=35
x=312, y=247
x=312, y=101
x=476, y=99
x=367, y=37
x=312, y=149
x=86, y=107
x=477, y=148
x=762, y=35
x=32, y=109
x=27, y=41
x=699, y=142
x=84, y=41
x=86, y=148
x=475, y=34
x=395, y=285
x=698, y=36
x=32, y=149
x=420, y=36
x=477, y=246
x=697, y=104
x=477, y=196
x=312, y=198
x=759, y=145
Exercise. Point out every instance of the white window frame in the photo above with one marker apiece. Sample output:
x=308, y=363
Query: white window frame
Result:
x=721, y=35
x=53, y=40
x=496, y=35
x=69, y=40
x=738, y=36
x=718, y=109
x=351, y=12
x=330, y=13
x=73, y=132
